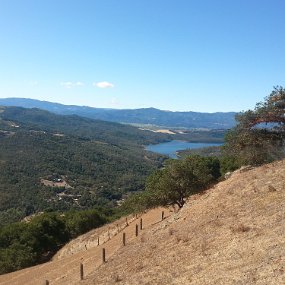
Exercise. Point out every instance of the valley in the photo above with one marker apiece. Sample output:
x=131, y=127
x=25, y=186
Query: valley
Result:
x=98, y=163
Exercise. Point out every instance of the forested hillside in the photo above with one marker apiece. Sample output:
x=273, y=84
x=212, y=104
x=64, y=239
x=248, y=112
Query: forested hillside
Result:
x=52, y=162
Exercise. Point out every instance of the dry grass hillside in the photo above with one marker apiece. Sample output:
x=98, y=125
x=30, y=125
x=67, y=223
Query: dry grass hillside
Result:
x=232, y=234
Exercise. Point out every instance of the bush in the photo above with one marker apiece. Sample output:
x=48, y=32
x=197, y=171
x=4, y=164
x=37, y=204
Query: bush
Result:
x=26, y=244
x=80, y=222
x=15, y=257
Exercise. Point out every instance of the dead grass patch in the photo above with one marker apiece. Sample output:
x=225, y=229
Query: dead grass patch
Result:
x=171, y=231
x=182, y=237
x=271, y=188
x=116, y=277
x=240, y=228
x=143, y=238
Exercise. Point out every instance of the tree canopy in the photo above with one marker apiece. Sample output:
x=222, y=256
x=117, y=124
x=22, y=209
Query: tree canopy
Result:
x=25, y=244
x=178, y=180
x=259, y=135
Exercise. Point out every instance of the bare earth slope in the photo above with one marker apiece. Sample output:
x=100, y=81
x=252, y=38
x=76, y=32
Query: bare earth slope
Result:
x=232, y=234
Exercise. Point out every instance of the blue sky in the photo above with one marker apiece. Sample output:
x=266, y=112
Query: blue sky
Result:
x=180, y=55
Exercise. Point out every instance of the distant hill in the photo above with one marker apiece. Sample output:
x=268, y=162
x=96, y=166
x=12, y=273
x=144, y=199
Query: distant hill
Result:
x=150, y=116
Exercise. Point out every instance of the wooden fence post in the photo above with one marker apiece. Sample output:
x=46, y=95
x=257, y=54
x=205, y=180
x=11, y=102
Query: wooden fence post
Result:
x=162, y=215
x=81, y=272
x=137, y=230
x=103, y=255
x=124, y=239
x=46, y=282
x=98, y=241
x=141, y=225
x=127, y=221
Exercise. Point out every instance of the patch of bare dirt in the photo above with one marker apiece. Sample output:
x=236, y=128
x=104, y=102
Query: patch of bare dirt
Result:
x=163, y=131
x=61, y=183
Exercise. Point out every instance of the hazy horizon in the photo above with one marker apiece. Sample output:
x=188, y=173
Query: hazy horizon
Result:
x=150, y=107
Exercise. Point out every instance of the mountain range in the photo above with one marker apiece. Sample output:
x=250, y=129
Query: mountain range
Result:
x=145, y=116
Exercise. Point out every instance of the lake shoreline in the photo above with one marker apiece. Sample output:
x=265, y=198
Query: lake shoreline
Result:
x=172, y=148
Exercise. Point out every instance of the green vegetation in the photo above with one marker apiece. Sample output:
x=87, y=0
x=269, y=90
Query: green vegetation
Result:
x=215, y=151
x=28, y=243
x=174, y=183
x=100, y=162
x=259, y=136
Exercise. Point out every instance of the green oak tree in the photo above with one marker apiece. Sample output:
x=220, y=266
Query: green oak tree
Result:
x=259, y=135
x=179, y=179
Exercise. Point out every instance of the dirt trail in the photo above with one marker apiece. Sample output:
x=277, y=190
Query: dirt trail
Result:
x=66, y=270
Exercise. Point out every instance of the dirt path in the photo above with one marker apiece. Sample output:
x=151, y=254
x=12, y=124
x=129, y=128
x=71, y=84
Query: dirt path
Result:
x=67, y=270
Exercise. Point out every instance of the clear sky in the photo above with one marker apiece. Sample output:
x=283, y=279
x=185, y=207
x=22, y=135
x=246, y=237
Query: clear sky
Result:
x=180, y=55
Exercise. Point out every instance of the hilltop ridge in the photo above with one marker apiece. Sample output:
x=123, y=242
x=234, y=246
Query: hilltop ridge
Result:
x=145, y=116
x=231, y=234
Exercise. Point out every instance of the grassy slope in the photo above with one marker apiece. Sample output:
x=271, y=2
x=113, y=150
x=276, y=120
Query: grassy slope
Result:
x=233, y=234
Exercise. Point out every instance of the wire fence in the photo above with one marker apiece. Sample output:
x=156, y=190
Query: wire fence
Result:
x=105, y=237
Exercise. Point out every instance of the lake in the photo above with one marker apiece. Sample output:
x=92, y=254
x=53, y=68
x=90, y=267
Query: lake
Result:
x=170, y=148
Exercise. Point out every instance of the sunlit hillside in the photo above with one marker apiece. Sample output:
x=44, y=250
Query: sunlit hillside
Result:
x=231, y=234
